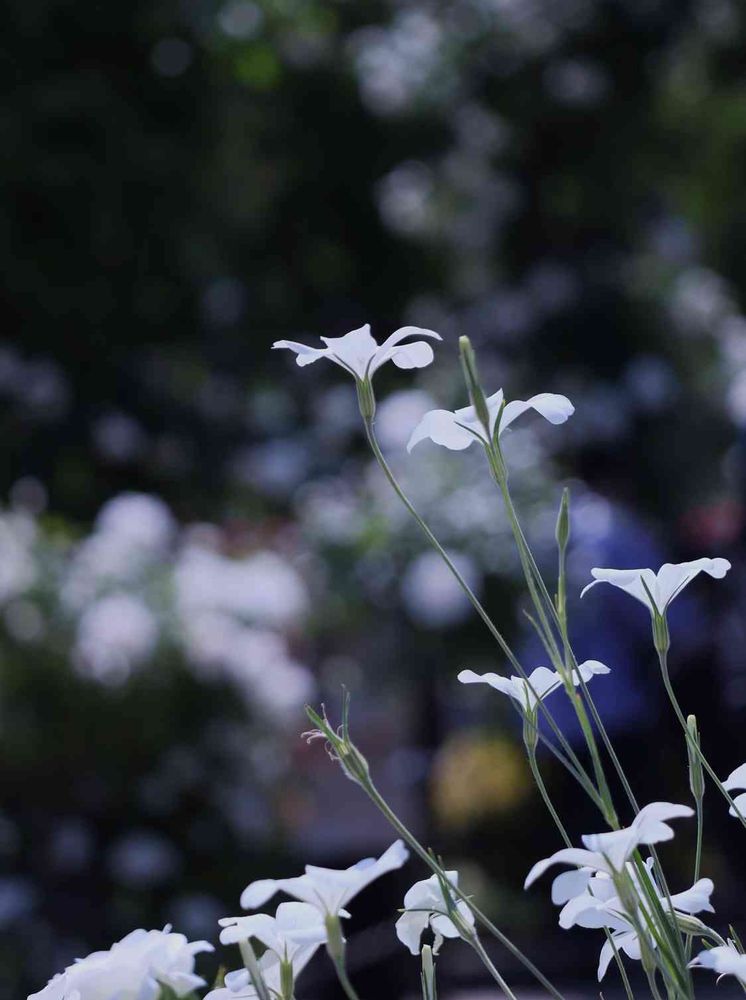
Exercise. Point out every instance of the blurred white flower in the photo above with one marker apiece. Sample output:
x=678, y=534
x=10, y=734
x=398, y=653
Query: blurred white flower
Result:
x=360, y=355
x=608, y=852
x=261, y=588
x=724, y=959
x=327, y=889
x=115, y=634
x=657, y=590
x=459, y=428
x=17, y=566
x=425, y=906
x=432, y=596
x=134, y=968
x=139, y=519
x=142, y=859
x=541, y=682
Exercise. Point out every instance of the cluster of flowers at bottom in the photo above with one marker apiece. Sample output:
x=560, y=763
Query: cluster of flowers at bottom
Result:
x=593, y=894
x=136, y=968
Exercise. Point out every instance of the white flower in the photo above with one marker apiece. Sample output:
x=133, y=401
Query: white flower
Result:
x=597, y=905
x=359, y=354
x=458, y=429
x=292, y=936
x=664, y=585
x=724, y=959
x=541, y=682
x=737, y=780
x=608, y=852
x=425, y=906
x=328, y=889
x=134, y=968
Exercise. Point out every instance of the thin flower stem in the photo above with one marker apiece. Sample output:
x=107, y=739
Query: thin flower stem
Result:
x=254, y=970
x=375, y=796
x=491, y=968
x=663, y=661
x=620, y=965
x=494, y=631
x=534, y=578
x=697, y=859
x=344, y=981
x=545, y=796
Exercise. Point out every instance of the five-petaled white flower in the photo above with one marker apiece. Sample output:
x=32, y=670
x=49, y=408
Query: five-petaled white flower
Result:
x=359, y=354
x=737, y=780
x=598, y=905
x=135, y=968
x=725, y=959
x=292, y=937
x=459, y=428
x=657, y=590
x=425, y=906
x=328, y=889
x=540, y=682
x=608, y=852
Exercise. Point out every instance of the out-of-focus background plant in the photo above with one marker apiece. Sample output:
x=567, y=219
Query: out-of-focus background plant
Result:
x=194, y=542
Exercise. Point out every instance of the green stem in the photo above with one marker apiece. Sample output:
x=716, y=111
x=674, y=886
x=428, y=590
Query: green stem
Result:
x=663, y=661
x=545, y=796
x=375, y=796
x=579, y=770
x=344, y=981
x=254, y=970
x=620, y=965
x=491, y=968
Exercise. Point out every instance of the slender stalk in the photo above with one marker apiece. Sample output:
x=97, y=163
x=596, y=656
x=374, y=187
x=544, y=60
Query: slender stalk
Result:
x=375, y=796
x=478, y=607
x=620, y=965
x=697, y=750
x=491, y=968
x=344, y=981
x=545, y=796
x=697, y=860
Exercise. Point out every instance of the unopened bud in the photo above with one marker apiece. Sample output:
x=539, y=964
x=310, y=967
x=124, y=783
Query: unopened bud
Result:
x=692, y=925
x=428, y=973
x=476, y=393
x=696, y=774
x=562, y=530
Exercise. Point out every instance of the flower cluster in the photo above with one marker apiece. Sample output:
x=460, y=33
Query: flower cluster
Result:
x=615, y=883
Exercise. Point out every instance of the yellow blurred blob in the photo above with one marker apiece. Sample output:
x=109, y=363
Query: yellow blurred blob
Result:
x=476, y=776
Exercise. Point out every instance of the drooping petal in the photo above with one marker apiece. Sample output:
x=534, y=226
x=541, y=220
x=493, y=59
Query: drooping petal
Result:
x=696, y=899
x=257, y=893
x=412, y=355
x=724, y=959
x=628, y=580
x=443, y=926
x=604, y=959
x=650, y=823
x=569, y=856
x=497, y=681
x=736, y=779
x=568, y=885
x=259, y=925
x=588, y=669
x=410, y=927
x=304, y=355
x=554, y=408
x=441, y=427
x=673, y=577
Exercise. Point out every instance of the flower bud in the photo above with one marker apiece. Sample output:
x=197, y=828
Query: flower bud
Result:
x=476, y=393
x=428, y=973
x=562, y=530
x=696, y=774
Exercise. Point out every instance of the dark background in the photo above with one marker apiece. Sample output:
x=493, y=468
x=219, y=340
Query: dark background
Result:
x=185, y=183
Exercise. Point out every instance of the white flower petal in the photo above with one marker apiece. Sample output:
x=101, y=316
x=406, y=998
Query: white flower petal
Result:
x=554, y=408
x=409, y=929
x=441, y=427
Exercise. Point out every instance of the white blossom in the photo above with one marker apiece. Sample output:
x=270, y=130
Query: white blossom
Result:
x=458, y=429
x=664, y=585
x=292, y=936
x=134, y=968
x=608, y=852
x=425, y=906
x=328, y=889
x=540, y=683
x=737, y=780
x=724, y=959
x=360, y=355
